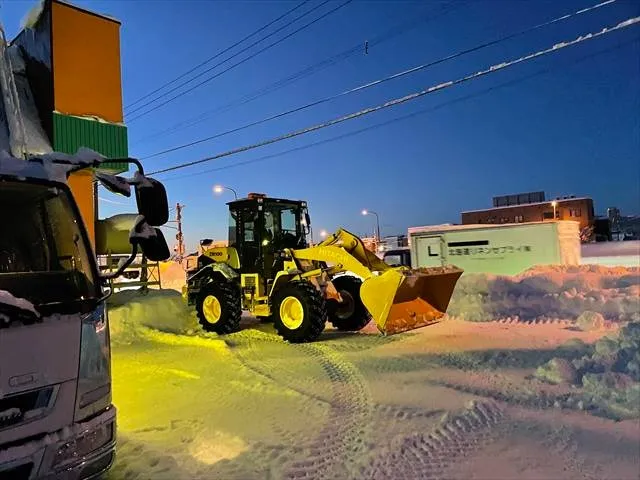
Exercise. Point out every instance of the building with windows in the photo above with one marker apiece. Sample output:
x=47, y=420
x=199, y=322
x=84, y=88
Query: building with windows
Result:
x=533, y=207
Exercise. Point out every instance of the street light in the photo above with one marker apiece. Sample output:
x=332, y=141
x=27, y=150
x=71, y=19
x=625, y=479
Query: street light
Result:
x=370, y=212
x=554, y=204
x=323, y=234
x=220, y=188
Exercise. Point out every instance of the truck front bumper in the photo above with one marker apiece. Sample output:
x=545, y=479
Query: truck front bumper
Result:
x=81, y=451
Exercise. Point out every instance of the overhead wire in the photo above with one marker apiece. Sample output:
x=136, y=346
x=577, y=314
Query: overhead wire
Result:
x=195, y=77
x=221, y=52
x=231, y=67
x=380, y=81
x=412, y=96
x=389, y=34
x=403, y=117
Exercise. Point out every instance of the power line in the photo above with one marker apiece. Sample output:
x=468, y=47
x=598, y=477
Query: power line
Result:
x=312, y=69
x=397, y=101
x=182, y=84
x=207, y=80
x=380, y=81
x=221, y=52
x=106, y=200
x=407, y=116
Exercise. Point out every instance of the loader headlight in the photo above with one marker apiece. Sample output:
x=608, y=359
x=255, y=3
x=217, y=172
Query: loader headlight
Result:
x=94, y=372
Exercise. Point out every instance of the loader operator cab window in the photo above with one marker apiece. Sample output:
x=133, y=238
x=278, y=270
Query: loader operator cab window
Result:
x=288, y=231
x=232, y=228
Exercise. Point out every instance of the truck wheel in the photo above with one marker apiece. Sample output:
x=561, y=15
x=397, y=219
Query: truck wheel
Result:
x=350, y=315
x=299, y=312
x=218, y=307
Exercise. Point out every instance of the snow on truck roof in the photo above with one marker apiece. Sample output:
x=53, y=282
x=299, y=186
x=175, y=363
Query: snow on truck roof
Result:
x=43, y=167
x=479, y=226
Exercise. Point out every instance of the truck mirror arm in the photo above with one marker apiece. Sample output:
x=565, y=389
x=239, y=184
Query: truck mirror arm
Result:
x=123, y=266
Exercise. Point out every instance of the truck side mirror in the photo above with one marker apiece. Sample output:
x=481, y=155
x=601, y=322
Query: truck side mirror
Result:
x=155, y=248
x=151, y=198
x=150, y=239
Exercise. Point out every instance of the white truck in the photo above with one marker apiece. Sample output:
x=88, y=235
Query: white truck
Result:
x=505, y=249
x=56, y=415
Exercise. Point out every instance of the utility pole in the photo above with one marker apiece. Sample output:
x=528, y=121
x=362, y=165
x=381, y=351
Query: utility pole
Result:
x=179, y=235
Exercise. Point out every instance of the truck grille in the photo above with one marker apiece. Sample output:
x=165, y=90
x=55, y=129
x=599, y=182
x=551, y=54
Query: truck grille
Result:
x=21, y=472
x=14, y=408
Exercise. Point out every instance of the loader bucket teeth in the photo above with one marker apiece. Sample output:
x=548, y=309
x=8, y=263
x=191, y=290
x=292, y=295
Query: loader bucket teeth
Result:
x=401, y=300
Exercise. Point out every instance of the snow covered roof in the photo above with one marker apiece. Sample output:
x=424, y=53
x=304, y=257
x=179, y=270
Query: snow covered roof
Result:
x=548, y=202
x=477, y=226
x=44, y=167
x=90, y=12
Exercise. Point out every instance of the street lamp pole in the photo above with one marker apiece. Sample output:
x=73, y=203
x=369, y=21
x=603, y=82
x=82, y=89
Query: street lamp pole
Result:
x=220, y=188
x=554, y=204
x=370, y=212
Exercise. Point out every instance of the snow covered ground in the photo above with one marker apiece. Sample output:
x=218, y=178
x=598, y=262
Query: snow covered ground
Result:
x=459, y=399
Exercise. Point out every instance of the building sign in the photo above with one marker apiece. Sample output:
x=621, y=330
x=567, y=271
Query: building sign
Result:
x=489, y=250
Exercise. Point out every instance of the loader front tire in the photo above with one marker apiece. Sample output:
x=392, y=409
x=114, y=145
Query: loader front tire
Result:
x=299, y=312
x=351, y=315
x=218, y=307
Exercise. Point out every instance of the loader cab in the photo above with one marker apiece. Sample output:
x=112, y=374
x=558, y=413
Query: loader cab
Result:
x=260, y=226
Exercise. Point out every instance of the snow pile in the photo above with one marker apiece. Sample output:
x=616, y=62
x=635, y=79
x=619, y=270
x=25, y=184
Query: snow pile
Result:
x=609, y=373
x=550, y=292
x=173, y=275
x=134, y=316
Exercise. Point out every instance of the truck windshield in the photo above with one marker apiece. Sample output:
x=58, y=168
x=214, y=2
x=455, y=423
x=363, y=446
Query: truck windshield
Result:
x=43, y=254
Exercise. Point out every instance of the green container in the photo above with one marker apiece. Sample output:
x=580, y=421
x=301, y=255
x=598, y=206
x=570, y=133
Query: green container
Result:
x=71, y=133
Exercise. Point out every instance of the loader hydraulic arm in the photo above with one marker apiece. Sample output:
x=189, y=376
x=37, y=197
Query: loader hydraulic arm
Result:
x=347, y=252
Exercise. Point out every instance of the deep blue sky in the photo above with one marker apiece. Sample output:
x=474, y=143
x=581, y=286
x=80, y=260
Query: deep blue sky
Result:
x=574, y=130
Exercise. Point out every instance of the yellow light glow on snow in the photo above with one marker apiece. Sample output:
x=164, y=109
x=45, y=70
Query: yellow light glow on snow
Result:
x=211, y=447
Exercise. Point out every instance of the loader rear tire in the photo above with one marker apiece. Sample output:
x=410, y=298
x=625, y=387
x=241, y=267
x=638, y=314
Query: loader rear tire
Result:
x=299, y=312
x=218, y=307
x=352, y=315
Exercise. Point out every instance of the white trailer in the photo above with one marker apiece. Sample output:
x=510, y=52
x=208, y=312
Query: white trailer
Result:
x=506, y=249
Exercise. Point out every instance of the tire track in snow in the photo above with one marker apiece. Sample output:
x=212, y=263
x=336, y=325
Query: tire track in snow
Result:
x=342, y=440
x=405, y=412
x=428, y=456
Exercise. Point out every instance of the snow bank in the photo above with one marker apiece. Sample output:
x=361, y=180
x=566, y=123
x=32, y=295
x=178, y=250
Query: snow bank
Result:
x=134, y=316
x=551, y=292
x=608, y=372
x=612, y=254
x=172, y=275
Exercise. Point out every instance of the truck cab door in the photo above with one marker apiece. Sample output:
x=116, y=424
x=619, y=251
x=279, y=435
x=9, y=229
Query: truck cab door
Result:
x=429, y=252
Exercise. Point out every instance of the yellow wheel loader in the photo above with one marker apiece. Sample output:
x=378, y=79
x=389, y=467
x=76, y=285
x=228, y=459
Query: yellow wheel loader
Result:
x=270, y=270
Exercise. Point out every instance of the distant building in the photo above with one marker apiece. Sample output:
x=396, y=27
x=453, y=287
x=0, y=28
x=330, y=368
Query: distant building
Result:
x=532, y=207
x=623, y=227
x=370, y=243
x=393, y=242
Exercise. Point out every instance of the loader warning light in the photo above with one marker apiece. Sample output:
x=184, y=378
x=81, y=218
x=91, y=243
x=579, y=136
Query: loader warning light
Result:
x=252, y=196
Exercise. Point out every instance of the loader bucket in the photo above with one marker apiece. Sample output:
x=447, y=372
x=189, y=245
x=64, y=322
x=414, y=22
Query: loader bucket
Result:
x=401, y=300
